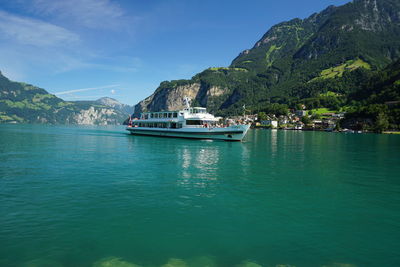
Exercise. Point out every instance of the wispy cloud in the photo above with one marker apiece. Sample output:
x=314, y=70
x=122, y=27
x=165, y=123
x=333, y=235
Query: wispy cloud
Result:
x=43, y=39
x=28, y=31
x=86, y=89
x=88, y=97
x=88, y=13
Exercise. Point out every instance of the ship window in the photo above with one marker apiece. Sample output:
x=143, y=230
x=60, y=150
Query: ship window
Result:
x=156, y=115
x=169, y=115
x=175, y=115
x=194, y=122
x=152, y=115
x=180, y=125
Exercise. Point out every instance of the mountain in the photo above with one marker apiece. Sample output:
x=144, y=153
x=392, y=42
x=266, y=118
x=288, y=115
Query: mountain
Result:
x=111, y=102
x=331, y=51
x=25, y=103
x=376, y=106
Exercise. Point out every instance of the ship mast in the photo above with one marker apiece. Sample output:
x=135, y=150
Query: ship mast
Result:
x=186, y=101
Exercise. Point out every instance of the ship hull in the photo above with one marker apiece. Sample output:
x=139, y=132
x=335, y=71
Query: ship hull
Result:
x=232, y=133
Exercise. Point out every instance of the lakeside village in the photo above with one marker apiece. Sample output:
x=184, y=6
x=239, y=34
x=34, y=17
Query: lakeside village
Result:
x=302, y=119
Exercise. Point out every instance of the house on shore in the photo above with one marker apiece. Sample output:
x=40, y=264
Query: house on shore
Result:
x=271, y=123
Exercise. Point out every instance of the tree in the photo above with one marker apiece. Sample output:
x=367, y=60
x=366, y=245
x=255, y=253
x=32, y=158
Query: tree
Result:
x=277, y=109
x=299, y=106
x=305, y=120
x=315, y=116
x=262, y=116
x=381, y=122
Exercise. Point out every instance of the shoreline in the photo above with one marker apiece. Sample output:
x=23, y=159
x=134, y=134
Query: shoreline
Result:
x=324, y=130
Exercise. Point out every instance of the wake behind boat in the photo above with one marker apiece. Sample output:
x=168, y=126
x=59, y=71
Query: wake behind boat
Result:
x=191, y=122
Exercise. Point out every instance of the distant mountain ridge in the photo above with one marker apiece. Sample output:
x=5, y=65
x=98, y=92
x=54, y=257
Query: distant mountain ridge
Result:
x=25, y=103
x=329, y=51
x=111, y=102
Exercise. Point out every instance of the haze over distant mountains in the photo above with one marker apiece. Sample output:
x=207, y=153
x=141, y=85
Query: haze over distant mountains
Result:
x=335, y=50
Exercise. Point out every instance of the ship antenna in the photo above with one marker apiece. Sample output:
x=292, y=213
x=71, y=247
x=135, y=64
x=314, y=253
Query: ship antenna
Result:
x=187, y=101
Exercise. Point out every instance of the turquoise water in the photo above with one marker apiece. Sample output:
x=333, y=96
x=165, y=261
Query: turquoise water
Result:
x=78, y=196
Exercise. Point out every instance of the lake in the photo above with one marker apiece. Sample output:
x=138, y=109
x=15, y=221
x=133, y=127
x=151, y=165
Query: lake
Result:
x=84, y=196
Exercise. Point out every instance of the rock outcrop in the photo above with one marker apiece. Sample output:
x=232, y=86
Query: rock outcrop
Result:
x=95, y=116
x=115, y=104
x=171, y=97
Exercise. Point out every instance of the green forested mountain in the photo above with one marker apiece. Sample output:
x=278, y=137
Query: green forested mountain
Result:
x=25, y=103
x=298, y=61
x=376, y=106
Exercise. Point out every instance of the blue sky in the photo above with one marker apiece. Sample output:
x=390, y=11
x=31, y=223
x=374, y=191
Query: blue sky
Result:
x=87, y=49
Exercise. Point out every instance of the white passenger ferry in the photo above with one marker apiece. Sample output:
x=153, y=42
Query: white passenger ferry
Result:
x=191, y=122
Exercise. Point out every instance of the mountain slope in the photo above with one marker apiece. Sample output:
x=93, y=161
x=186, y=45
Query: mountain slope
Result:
x=376, y=106
x=329, y=51
x=111, y=102
x=24, y=103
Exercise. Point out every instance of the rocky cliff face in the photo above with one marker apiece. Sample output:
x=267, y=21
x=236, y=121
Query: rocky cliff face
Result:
x=95, y=116
x=111, y=102
x=171, y=97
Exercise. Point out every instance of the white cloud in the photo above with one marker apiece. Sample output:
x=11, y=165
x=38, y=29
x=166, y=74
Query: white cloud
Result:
x=28, y=31
x=86, y=89
x=88, y=97
x=88, y=13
